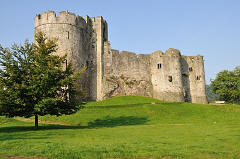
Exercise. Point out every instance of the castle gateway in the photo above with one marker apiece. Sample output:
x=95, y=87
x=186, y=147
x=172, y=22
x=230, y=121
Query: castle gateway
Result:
x=166, y=76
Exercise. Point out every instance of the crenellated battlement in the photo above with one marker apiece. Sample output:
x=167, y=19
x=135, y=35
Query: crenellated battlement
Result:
x=64, y=17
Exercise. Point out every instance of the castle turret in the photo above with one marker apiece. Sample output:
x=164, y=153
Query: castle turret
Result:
x=81, y=40
x=67, y=28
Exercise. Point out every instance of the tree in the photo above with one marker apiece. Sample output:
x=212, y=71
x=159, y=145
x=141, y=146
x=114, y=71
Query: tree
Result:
x=34, y=82
x=227, y=85
x=211, y=96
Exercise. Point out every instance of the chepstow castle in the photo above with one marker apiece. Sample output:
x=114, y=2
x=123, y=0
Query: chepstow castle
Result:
x=167, y=76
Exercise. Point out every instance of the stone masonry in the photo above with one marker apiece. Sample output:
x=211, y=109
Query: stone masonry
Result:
x=167, y=76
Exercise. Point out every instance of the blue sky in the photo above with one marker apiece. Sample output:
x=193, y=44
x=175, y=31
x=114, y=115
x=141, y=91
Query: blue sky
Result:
x=207, y=27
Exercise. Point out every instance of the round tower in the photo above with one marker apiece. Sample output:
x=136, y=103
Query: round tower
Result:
x=73, y=38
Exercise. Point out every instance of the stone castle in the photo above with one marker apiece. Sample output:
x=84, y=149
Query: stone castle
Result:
x=166, y=76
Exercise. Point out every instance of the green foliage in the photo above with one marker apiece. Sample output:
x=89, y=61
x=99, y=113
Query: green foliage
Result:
x=211, y=95
x=34, y=82
x=129, y=127
x=227, y=85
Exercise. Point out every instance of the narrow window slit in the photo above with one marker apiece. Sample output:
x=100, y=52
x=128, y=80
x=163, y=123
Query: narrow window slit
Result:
x=67, y=34
x=170, y=78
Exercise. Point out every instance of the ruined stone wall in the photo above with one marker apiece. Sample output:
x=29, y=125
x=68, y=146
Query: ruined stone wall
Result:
x=193, y=68
x=126, y=73
x=185, y=80
x=100, y=28
x=166, y=75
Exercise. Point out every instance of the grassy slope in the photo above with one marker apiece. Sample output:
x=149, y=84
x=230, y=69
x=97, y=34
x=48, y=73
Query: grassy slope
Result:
x=128, y=127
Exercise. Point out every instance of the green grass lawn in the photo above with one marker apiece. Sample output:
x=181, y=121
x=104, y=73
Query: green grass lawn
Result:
x=129, y=127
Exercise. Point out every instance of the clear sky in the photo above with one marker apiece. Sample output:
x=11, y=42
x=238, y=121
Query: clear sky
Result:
x=207, y=27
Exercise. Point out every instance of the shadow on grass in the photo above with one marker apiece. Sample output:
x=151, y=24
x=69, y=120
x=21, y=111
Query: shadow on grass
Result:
x=117, y=106
x=118, y=121
x=98, y=123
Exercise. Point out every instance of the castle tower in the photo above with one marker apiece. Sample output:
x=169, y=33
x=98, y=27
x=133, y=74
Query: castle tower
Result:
x=67, y=29
x=82, y=41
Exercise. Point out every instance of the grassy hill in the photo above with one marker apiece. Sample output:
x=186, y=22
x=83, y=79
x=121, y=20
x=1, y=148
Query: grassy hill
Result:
x=129, y=127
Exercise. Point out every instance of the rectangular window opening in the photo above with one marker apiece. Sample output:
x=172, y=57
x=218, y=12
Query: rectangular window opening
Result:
x=170, y=78
x=159, y=66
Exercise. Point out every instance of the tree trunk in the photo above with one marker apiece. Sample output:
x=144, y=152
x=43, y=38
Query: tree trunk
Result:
x=36, y=121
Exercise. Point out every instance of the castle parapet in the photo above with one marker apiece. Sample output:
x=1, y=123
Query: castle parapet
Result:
x=63, y=17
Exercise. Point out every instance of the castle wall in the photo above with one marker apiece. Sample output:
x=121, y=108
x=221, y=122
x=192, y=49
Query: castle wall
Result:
x=126, y=73
x=185, y=80
x=166, y=75
x=163, y=76
x=100, y=27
